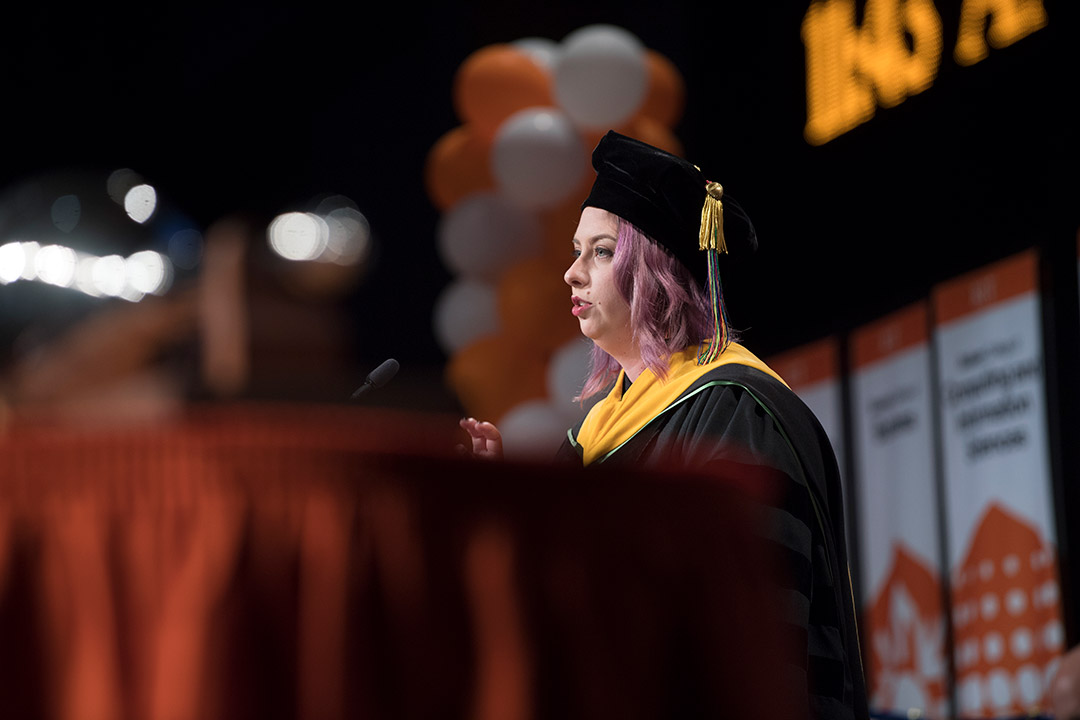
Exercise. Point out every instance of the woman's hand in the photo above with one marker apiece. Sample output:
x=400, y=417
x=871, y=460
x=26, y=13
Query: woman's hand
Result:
x=486, y=440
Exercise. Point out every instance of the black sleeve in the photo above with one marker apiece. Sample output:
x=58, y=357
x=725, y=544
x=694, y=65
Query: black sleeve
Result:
x=730, y=423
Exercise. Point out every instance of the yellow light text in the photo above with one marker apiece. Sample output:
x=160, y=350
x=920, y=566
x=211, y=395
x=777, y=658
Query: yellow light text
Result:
x=895, y=52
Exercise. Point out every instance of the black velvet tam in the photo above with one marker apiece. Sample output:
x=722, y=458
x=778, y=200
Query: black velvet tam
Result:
x=662, y=194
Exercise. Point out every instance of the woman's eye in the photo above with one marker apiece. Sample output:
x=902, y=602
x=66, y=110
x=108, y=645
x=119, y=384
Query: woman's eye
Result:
x=603, y=252
x=576, y=253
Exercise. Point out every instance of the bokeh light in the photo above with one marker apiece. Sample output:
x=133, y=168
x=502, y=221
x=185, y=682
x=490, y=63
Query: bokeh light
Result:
x=108, y=275
x=145, y=272
x=101, y=253
x=350, y=236
x=12, y=262
x=297, y=236
x=84, y=276
x=185, y=248
x=55, y=265
x=29, y=251
x=140, y=202
x=120, y=182
x=66, y=211
x=335, y=232
x=148, y=272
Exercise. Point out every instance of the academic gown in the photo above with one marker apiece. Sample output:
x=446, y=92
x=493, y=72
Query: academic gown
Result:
x=742, y=413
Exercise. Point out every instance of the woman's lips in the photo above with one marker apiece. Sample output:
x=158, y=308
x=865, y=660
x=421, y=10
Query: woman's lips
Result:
x=580, y=305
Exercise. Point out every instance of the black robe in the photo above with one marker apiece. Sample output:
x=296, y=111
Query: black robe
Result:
x=736, y=412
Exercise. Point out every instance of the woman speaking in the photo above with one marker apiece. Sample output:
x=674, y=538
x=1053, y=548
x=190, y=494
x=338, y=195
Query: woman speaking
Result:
x=681, y=392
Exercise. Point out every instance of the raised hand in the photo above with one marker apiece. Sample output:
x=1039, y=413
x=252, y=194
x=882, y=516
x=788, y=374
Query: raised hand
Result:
x=486, y=440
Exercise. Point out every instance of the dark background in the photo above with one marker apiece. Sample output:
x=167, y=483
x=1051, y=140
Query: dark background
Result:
x=257, y=110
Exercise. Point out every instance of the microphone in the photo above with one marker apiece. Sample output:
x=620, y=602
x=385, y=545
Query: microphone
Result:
x=378, y=377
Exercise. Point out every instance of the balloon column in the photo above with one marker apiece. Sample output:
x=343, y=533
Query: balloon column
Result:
x=509, y=181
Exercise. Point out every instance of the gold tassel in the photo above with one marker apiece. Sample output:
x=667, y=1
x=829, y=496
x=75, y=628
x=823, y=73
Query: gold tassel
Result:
x=711, y=235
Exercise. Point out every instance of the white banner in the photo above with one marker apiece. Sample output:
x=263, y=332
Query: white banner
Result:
x=900, y=542
x=1002, y=544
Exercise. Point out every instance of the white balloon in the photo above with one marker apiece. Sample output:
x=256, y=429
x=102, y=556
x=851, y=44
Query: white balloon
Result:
x=566, y=373
x=542, y=50
x=532, y=431
x=483, y=234
x=464, y=311
x=537, y=157
x=601, y=76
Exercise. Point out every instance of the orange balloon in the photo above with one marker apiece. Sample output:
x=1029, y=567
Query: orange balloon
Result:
x=493, y=374
x=665, y=94
x=590, y=138
x=534, y=304
x=652, y=132
x=495, y=82
x=558, y=224
x=457, y=165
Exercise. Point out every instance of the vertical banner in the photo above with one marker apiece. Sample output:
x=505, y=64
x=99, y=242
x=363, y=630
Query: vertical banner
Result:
x=1005, y=590
x=899, y=539
x=813, y=372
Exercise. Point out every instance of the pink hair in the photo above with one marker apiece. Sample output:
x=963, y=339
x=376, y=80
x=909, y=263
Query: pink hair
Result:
x=668, y=310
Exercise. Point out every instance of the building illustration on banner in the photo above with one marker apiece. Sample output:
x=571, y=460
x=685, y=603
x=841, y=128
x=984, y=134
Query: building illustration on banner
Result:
x=1007, y=623
x=906, y=653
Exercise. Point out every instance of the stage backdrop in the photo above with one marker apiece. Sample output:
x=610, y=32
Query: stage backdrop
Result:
x=1001, y=538
x=903, y=616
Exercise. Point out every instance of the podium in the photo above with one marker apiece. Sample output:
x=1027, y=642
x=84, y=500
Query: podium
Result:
x=285, y=562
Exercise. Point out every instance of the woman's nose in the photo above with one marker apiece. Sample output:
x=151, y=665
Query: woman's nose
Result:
x=574, y=276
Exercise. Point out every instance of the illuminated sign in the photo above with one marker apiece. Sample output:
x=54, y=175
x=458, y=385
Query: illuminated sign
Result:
x=894, y=53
